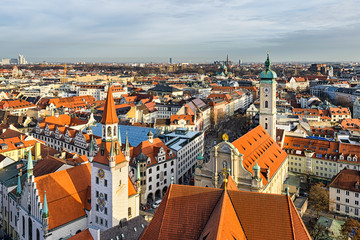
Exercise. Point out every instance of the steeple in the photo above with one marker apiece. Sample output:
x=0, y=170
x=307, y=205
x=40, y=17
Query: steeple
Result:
x=18, y=188
x=45, y=215
x=30, y=165
x=109, y=115
x=267, y=62
x=127, y=148
x=150, y=136
x=92, y=147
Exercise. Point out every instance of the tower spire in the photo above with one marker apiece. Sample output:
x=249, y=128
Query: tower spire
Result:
x=267, y=62
x=109, y=114
x=18, y=188
x=45, y=213
x=30, y=165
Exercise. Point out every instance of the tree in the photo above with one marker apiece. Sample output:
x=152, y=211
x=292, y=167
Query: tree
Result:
x=318, y=231
x=351, y=228
x=319, y=198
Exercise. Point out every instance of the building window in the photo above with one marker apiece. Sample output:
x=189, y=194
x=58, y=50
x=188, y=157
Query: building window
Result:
x=101, y=221
x=97, y=207
x=337, y=207
x=347, y=200
x=150, y=179
x=97, y=193
x=347, y=193
x=356, y=202
x=157, y=184
x=96, y=219
x=150, y=188
x=346, y=209
x=105, y=183
x=105, y=210
x=157, y=176
x=105, y=197
x=337, y=198
x=266, y=104
x=97, y=180
x=266, y=126
x=356, y=194
x=106, y=223
x=129, y=211
x=150, y=170
x=157, y=168
x=356, y=211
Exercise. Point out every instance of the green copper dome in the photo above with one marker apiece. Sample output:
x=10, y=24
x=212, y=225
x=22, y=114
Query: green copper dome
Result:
x=256, y=167
x=268, y=73
x=200, y=157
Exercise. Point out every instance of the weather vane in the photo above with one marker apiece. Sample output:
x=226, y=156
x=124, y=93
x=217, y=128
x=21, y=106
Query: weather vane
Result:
x=225, y=172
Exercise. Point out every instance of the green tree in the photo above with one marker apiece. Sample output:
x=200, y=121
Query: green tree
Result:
x=351, y=228
x=319, y=198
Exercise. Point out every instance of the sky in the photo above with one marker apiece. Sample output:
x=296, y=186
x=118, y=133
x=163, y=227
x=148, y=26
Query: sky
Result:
x=185, y=30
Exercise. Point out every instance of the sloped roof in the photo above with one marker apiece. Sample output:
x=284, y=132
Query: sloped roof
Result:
x=104, y=158
x=188, y=212
x=257, y=146
x=66, y=193
x=83, y=235
x=347, y=179
x=109, y=115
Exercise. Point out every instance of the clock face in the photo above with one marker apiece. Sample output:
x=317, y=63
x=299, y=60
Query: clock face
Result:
x=101, y=173
x=266, y=90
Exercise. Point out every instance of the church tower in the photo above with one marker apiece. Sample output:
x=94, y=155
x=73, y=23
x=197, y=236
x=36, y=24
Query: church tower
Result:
x=268, y=99
x=109, y=174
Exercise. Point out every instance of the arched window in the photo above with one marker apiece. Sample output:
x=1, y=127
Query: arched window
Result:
x=23, y=226
x=115, y=131
x=129, y=211
x=109, y=131
x=266, y=126
x=266, y=104
x=30, y=229
x=37, y=234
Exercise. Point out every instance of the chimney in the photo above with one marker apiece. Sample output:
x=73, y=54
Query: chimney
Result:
x=37, y=150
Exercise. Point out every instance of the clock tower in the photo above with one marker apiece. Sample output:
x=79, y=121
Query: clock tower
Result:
x=109, y=174
x=268, y=99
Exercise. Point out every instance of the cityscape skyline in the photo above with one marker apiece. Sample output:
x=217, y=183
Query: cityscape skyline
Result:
x=187, y=31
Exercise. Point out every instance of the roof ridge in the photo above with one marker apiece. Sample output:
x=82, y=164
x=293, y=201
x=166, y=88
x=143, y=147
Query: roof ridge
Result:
x=291, y=220
x=243, y=229
x=212, y=211
x=166, y=206
x=291, y=204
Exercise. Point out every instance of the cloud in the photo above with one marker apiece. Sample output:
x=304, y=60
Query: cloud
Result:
x=202, y=29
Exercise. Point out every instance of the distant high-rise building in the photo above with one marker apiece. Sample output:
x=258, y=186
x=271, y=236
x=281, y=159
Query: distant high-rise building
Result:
x=5, y=61
x=21, y=60
x=13, y=61
x=240, y=61
x=170, y=60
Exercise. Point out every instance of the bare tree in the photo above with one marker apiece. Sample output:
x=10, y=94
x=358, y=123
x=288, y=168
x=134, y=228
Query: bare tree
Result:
x=319, y=198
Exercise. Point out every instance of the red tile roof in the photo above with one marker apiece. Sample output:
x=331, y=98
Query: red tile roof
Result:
x=66, y=193
x=83, y=235
x=347, y=179
x=188, y=212
x=258, y=146
x=103, y=156
x=109, y=115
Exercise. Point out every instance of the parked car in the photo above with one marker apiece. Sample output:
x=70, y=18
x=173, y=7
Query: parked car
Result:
x=156, y=204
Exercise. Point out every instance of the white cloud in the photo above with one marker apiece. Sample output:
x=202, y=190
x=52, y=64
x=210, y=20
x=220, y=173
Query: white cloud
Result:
x=161, y=27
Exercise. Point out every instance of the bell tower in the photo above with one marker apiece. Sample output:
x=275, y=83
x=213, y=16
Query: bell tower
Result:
x=109, y=174
x=268, y=99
